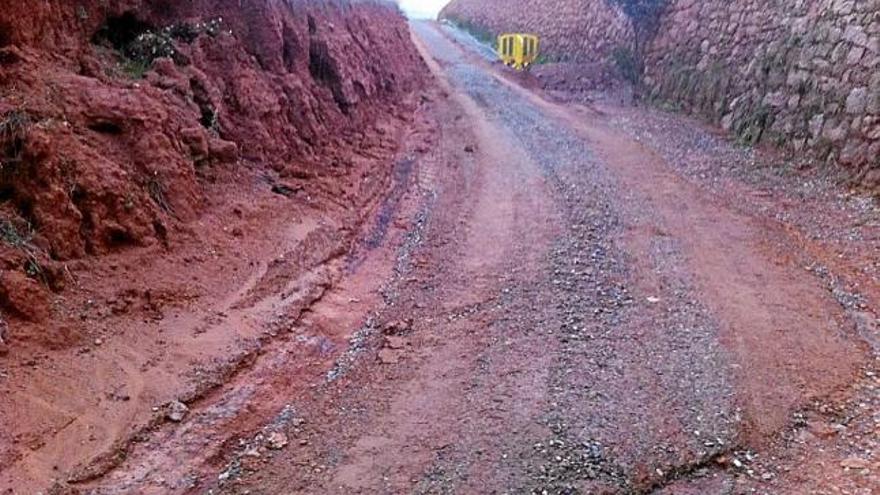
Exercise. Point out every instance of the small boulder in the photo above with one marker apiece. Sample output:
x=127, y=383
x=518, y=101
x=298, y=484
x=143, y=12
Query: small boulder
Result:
x=397, y=327
x=23, y=296
x=223, y=151
x=854, y=463
x=857, y=101
x=821, y=429
x=388, y=356
x=394, y=342
x=196, y=139
x=176, y=411
x=276, y=440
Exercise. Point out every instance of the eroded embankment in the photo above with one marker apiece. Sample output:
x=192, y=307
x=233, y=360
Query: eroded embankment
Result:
x=115, y=115
x=179, y=182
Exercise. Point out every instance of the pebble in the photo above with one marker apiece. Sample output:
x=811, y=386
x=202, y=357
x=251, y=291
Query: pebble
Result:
x=854, y=463
x=393, y=342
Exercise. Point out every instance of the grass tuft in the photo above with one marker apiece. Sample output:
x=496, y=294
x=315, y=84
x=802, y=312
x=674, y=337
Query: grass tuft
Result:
x=135, y=69
x=20, y=239
x=158, y=192
x=13, y=132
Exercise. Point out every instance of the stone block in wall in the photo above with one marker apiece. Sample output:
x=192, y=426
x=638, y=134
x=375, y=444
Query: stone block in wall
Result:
x=857, y=101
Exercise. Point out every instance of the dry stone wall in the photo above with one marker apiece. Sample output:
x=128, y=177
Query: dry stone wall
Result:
x=802, y=73
x=575, y=30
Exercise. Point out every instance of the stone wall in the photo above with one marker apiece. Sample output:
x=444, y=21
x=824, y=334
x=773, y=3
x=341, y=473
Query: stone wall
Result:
x=576, y=30
x=804, y=74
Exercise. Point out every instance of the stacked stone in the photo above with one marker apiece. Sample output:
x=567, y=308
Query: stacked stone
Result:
x=571, y=30
x=802, y=73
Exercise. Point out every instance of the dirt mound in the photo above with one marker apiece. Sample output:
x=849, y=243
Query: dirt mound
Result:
x=115, y=115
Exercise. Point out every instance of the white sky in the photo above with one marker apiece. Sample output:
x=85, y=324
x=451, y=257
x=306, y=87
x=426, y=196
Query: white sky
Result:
x=422, y=8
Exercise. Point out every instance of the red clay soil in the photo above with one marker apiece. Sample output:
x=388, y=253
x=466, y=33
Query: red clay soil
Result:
x=98, y=159
x=160, y=215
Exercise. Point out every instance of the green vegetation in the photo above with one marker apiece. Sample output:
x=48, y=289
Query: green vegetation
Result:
x=139, y=45
x=150, y=45
x=545, y=58
x=628, y=63
x=15, y=232
x=11, y=236
x=134, y=69
x=211, y=119
x=19, y=238
x=476, y=30
x=752, y=128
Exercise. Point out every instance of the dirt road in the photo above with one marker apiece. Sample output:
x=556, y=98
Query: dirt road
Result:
x=556, y=299
x=579, y=316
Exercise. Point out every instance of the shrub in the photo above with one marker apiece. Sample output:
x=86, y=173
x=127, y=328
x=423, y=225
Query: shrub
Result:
x=476, y=30
x=140, y=44
x=149, y=46
x=158, y=193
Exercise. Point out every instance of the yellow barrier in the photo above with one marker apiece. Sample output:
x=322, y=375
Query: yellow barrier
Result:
x=518, y=50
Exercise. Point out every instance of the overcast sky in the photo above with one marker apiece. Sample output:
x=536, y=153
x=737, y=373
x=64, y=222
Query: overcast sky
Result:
x=422, y=8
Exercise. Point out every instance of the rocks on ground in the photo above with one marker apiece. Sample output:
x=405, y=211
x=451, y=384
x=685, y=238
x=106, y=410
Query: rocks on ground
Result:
x=276, y=440
x=176, y=411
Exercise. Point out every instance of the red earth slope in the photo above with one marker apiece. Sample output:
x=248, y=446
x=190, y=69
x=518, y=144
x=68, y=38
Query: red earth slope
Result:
x=116, y=115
